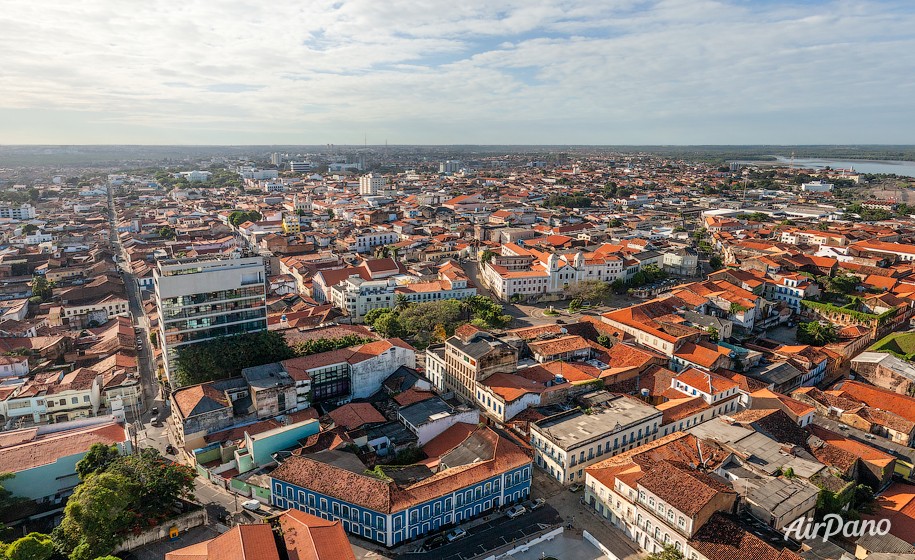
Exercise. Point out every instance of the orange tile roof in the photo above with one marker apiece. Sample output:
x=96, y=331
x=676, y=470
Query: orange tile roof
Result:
x=40, y=450
x=356, y=415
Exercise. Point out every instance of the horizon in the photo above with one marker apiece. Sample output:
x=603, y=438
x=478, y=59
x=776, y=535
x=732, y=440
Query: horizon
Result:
x=406, y=73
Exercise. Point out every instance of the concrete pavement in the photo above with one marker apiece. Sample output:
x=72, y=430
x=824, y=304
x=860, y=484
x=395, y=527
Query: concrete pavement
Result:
x=582, y=517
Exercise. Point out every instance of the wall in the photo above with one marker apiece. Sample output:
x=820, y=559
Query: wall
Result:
x=368, y=375
x=183, y=522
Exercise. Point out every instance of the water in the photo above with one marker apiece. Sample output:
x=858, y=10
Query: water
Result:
x=905, y=168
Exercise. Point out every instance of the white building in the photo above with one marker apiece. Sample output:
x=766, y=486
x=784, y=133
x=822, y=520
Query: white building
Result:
x=300, y=166
x=371, y=184
x=23, y=212
x=196, y=176
x=204, y=298
x=817, y=186
x=450, y=166
x=257, y=174
x=356, y=296
x=531, y=274
x=366, y=241
x=566, y=443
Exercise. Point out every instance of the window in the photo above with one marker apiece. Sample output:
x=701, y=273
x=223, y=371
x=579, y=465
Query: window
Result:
x=74, y=400
x=85, y=398
x=681, y=522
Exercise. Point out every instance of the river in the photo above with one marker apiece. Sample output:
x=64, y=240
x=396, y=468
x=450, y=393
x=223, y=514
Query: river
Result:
x=906, y=168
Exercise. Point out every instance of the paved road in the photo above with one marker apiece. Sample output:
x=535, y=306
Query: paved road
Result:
x=491, y=535
x=145, y=359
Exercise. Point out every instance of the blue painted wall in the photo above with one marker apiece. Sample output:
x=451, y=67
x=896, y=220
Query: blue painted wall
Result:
x=416, y=521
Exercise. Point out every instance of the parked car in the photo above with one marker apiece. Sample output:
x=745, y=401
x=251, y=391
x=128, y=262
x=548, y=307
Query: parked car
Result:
x=575, y=487
x=170, y=449
x=251, y=505
x=154, y=412
x=537, y=504
x=515, y=511
x=434, y=542
x=456, y=534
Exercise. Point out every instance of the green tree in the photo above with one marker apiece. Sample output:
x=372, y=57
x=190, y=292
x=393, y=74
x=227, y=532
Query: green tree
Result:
x=487, y=256
x=843, y=284
x=388, y=325
x=98, y=459
x=373, y=314
x=401, y=302
x=34, y=546
x=715, y=263
x=668, y=553
x=41, y=288
x=604, y=340
x=97, y=517
x=712, y=333
x=816, y=333
x=167, y=232
x=28, y=229
x=225, y=357
x=135, y=492
x=575, y=305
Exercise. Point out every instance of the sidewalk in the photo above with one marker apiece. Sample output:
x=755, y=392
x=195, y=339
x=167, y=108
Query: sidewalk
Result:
x=582, y=517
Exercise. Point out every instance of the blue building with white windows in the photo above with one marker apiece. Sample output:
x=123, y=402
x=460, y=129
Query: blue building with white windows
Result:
x=484, y=471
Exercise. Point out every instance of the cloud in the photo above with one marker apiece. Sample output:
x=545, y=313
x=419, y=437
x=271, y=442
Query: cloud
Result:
x=477, y=71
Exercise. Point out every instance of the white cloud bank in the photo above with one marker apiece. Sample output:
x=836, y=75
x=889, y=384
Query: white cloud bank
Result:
x=472, y=71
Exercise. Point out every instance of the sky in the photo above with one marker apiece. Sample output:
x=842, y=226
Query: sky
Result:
x=460, y=72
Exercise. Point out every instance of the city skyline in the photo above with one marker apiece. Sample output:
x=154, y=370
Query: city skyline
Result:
x=602, y=73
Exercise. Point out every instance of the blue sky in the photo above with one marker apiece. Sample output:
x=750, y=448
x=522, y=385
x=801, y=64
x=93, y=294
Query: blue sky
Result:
x=475, y=71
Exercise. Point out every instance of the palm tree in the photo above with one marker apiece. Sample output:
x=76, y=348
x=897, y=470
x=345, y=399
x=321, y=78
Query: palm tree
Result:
x=401, y=302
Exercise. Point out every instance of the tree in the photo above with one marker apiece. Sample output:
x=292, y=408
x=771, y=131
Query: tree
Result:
x=373, y=314
x=99, y=457
x=604, y=340
x=41, y=288
x=167, y=232
x=133, y=493
x=34, y=546
x=590, y=290
x=401, y=302
x=97, y=517
x=843, y=284
x=816, y=333
x=575, y=305
x=226, y=356
x=487, y=256
x=239, y=217
x=388, y=325
x=319, y=345
x=712, y=333
x=715, y=263
x=439, y=334
x=668, y=553
x=28, y=229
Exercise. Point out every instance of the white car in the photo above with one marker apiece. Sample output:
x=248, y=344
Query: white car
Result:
x=251, y=505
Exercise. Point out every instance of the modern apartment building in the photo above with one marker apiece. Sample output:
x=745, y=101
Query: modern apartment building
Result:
x=371, y=184
x=23, y=212
x=472, y=355
x=204, y=298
